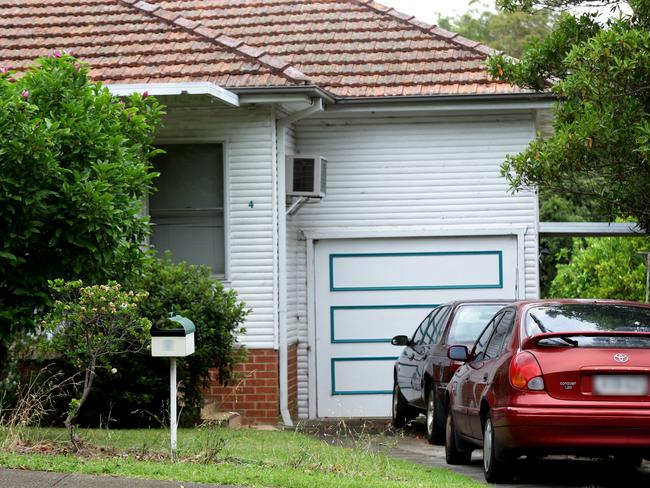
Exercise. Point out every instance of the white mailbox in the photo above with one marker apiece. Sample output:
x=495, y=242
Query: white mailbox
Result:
x=176, y=341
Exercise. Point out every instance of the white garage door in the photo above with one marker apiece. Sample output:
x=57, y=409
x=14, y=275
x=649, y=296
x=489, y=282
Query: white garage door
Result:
x=369, y=290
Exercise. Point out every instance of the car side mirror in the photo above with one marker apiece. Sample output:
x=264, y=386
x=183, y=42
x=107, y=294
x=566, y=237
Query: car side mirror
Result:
x=400, y=340
x=458, y=353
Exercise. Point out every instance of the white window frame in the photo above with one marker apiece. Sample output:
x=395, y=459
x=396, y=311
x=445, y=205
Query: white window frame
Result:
x=165, y=141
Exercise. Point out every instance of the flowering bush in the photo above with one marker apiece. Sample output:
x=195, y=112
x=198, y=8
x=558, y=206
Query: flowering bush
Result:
x=74, y=166
x=88, y=325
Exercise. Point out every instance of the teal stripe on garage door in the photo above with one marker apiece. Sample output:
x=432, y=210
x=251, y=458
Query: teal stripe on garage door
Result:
x=362, y=340
x=497, y=283
x=333, y=363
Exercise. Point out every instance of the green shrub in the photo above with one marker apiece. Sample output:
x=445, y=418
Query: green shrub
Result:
x=137, y=394
x=74, y=168
x=607, y=267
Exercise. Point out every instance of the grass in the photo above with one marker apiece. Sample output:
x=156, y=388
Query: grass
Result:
x=226, y=456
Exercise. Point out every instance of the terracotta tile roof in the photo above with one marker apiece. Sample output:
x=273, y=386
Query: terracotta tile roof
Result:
x=352, y=48
x=125, y=43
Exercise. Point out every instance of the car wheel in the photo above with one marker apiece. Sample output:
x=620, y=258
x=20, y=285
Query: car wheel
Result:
x=435, y=427
x=496, y=471
x=400, y=410
x=453, y=454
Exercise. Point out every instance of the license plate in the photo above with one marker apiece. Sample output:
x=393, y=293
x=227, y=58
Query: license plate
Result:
x=620, y=384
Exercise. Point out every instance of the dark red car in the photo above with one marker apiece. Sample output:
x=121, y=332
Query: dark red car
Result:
x=423, y=369
x=568, y=376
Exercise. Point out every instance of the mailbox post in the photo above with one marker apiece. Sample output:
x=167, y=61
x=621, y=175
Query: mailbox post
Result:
x=174, y=339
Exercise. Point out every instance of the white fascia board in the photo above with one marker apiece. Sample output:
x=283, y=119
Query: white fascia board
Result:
x=171, y=89
x=590, y=229
x=441, y=106
x=271, y=98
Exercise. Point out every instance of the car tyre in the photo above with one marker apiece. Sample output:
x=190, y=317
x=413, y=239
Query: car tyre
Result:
x=435, y=425
x=453, y=454
x=494, y=467
x=400, y=409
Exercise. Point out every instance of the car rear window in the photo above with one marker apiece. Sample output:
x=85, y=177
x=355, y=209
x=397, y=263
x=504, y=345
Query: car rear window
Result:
x=590, y=317
x=469, y=321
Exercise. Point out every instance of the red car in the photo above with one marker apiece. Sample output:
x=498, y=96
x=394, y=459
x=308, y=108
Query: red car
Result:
x=545, y=377
x=423, y=369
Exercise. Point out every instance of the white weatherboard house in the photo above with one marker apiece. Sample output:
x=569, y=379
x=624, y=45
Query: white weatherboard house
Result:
x=392, y=125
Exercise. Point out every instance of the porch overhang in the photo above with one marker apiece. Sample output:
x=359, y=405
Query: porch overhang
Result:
x=174, y=89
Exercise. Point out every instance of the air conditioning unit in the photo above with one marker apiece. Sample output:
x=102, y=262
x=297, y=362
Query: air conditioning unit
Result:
x=306, y=176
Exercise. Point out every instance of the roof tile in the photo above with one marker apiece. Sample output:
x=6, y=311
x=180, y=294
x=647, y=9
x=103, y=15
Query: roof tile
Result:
x=353, y=48
x=147, y=7
x=207, y=32
x=167, y=15
x=187, y=23
x=228, y=41
x=253, y=52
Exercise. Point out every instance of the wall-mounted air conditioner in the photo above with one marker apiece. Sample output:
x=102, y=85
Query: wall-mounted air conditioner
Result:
x=306, y=176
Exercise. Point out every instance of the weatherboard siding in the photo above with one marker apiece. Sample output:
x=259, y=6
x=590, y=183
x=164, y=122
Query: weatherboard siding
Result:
x=248, y=136
x=410, y=173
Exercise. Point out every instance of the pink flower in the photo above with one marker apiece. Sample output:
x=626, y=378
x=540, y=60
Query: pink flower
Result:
x=57, y=54
x=145, y=95
x=25, y=94
x=77, y=67
x=3, y=70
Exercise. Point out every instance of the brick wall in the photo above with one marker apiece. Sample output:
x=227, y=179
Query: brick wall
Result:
x=293, y=381
x=254, y=394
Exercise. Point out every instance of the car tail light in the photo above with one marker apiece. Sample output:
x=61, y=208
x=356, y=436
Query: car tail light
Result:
x=525, y=372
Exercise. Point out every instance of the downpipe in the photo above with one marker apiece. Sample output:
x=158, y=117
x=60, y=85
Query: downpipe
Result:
x=281, y=137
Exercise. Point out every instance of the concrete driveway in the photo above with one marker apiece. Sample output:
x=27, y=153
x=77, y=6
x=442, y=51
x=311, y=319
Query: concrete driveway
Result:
x=552, y=472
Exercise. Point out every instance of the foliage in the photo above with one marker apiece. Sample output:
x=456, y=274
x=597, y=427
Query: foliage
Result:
x=74, y=167
x=509, y=32
x=137, y=394
x=87, y=325
x=217, y=313
x=608, y=267
x=601, y=144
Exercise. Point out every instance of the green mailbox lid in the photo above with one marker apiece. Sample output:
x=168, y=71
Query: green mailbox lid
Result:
x=187, y=327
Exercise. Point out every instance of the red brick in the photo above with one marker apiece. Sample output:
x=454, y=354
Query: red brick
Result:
x=256, y=394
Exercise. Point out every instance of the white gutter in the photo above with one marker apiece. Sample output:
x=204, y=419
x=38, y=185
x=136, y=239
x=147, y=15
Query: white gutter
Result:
x=443, y=105
x=281, y=127
x=171, y=89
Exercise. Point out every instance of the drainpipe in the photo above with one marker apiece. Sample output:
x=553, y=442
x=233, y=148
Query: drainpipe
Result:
x=280, y=127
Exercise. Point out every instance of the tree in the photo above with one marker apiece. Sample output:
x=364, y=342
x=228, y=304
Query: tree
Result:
x=599, y=72
x=90, y=324
x=607, y=267
x=74, y=168
x=507, y=31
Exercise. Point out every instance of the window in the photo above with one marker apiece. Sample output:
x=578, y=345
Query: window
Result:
x=500, y=335
x=418, y=336
x=438, y=326
x=479, y=347
x=187, y=209
x=469, y=321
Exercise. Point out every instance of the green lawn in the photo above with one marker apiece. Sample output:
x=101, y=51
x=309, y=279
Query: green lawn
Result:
x=230, y=456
